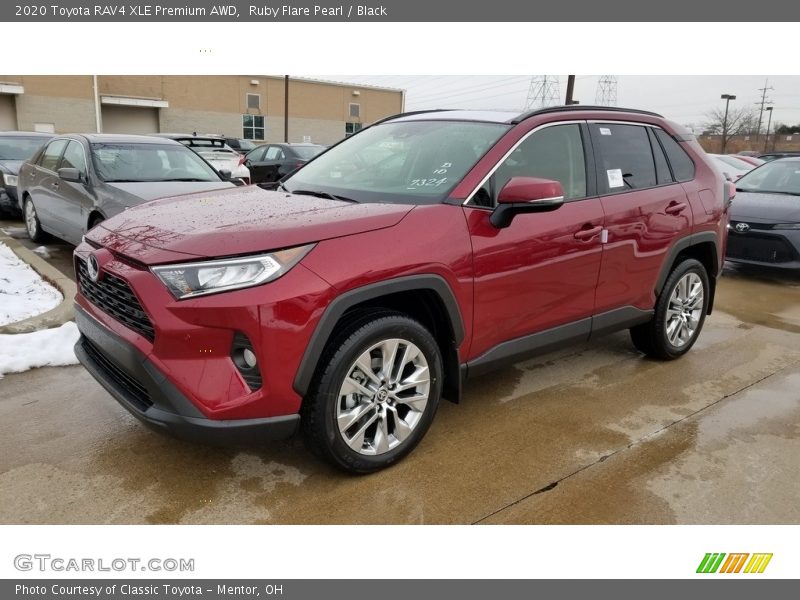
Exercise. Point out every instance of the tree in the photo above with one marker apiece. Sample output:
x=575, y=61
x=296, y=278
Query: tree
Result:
x=741, y=121
x=787, y=129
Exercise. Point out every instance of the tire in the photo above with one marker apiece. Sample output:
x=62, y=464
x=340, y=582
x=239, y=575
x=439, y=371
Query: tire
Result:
x=32, y=224
x=679, y=313
x=379, y=424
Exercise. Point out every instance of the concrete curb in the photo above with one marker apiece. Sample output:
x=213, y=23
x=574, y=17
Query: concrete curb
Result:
x=54, y=317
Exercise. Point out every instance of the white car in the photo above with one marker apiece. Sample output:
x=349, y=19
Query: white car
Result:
x=730, y=166
x=214, y=149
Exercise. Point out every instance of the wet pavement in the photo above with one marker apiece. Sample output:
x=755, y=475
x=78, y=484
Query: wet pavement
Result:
x=592, y=434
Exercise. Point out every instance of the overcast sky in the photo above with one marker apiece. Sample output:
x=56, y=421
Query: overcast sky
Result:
x=684, y=99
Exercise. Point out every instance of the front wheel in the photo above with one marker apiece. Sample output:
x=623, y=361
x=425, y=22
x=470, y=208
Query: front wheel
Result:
x=679, y=313
x=376, y=395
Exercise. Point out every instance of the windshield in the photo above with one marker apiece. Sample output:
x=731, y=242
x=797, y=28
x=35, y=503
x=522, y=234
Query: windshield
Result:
x=307, y=152
x=779, y=177
x=19, y=148
x=149, y=162
x=404, y=162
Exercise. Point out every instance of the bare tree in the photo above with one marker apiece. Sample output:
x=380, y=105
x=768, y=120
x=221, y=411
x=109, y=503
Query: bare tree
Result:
x=741, y=121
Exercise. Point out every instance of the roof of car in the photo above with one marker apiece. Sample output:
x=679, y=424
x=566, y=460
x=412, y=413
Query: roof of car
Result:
x=795, y=158
x=507, y=116
x=26, y=134
x=117, y=138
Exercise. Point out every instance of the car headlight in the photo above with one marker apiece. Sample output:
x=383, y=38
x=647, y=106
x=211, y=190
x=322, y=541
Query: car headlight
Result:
x=187, y=280
x=786, y=226
x=10, y=180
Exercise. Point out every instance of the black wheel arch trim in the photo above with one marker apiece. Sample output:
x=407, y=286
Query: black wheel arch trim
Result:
x=682, y=244
x=345, y=301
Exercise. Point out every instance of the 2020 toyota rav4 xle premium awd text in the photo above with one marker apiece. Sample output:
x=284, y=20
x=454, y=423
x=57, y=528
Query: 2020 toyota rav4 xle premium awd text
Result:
x=425, y=250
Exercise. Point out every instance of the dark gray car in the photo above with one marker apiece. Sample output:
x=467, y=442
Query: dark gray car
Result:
x=765, y=216
x=15, y=148
x=78, y=180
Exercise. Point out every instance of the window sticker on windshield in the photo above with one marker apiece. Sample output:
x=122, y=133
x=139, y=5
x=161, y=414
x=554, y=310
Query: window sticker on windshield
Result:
x=615, y=179
x=418, y=183
x=605, y=131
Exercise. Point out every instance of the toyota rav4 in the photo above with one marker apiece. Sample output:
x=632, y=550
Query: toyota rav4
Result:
x=425, y=250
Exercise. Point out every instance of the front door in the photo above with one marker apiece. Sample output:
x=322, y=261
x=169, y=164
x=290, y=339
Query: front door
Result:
x=540, y=273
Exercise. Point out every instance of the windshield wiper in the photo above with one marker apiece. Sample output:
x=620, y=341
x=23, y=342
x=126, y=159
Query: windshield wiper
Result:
x=124, y=181
x=321, y=194
x=183, y=179
x=768, y=192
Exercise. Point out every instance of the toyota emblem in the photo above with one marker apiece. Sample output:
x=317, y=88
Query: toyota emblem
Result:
x=93, y=268
x=742, y=227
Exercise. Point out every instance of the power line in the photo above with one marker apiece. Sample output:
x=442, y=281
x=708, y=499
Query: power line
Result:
x=459, y=90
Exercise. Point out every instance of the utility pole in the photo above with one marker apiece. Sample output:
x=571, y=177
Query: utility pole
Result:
x=727, y=98
x=769, y=124
x=570, y=89
x=763, y=102
x=286, y=109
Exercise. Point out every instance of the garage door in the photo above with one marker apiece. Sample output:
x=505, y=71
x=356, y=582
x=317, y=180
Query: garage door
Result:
x=8, y=112
x=130, y=119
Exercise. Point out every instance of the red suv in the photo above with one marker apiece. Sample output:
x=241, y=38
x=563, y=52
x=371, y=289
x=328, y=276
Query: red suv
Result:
x=425, y=250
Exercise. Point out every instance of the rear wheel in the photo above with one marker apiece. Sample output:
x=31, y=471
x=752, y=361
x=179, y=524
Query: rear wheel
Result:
x=679, y=314
x=376, y=394
x=32, y=224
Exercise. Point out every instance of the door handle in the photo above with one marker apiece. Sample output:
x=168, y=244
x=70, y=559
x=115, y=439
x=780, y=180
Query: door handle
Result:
x=588, y=233
x=675, y=208
x=54, y=184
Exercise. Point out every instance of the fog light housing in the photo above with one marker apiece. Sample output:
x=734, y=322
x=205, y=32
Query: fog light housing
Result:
x=245, y=359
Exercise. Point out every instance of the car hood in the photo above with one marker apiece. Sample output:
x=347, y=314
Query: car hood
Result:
x=11, y=166
x=763, y=207
x=243, y=220
x=131, y=194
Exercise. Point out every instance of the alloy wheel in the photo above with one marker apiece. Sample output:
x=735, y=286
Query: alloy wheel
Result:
x=30, y=219
x=685, y=309
x=383, y=397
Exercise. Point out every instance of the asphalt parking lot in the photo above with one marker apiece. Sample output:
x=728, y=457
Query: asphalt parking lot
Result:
x=592, y=434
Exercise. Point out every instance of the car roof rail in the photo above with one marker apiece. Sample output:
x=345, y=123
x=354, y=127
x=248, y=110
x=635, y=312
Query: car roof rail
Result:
x=580, y=107
x=410, y=113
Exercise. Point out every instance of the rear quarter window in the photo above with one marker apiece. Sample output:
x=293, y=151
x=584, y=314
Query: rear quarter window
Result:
x=682, y=165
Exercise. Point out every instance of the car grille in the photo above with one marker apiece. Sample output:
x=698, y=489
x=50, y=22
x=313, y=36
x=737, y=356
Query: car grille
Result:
x=114, y=297
x=134, y=391
x=759, y=248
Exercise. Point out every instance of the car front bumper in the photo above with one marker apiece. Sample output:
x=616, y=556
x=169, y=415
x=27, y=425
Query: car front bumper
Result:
x=140, y=387
x=764, y=247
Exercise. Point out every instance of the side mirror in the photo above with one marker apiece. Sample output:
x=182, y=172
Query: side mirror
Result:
x=526, y=195
x=225, y=174
x=71, y=174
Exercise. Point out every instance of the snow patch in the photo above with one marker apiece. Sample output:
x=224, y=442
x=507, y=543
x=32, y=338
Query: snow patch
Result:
x=19, y=233
x=47, y=348
x=23, y=293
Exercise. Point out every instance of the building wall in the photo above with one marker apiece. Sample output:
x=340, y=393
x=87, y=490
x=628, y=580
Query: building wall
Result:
x=738, y=143
x=8, y=112
x=206, y=104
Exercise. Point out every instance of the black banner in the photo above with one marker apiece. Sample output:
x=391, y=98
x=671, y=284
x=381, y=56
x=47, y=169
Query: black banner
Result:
x=402, y=11
x=739, y=588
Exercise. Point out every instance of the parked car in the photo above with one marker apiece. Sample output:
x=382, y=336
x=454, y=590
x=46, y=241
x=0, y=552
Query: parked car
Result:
x=240, y=145
x=15, y=148
x=730, y=166
x=271, y=162
x=765, y=219
x=768, y=156
x=213, y=149
x=77, y=181
x=750, y=160
x=422, y=251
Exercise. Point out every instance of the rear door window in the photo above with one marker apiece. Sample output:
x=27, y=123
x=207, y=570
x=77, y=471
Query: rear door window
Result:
x=624, y=158
x=663, y=174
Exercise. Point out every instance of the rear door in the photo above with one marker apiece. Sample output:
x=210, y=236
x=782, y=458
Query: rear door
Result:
x=645, y=212
x=539, y=273
x=44, y=187
x=268, y=168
